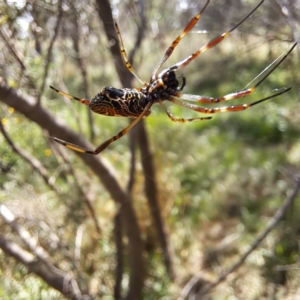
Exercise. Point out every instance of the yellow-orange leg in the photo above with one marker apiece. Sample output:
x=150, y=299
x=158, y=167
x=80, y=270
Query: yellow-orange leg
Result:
x=125, y=58
x=104, y=145
x=170, y=50
x=231, y=108
x=203, y=99
x=182, y=120
x=84, y=101
x=209, y=45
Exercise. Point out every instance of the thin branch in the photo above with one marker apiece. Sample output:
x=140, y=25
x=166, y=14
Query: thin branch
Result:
x=291, y=16
x=87, y=200
x=272, y=223
x=76, y=42
x=133, y=133
x=105, y=14
x=54, y=277
x=141, y=30
x=148, y=164
x=132, y=148
x=137, y=270
x=151, y=192
x=25, y=236
x=12, y=50
x=31, y=242
x=35, y=163
x=15, y=54
x=103, y=170
x=118, y=235
x=49, y=52
x=118, y=232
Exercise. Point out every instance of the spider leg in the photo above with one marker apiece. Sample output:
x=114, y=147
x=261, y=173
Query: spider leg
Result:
x=125, y=58
x=231, y=108
x=104, y=145
x=170, y=50
x=181, y=120
x=84, y=101
x=240, y=94
x=210, y=44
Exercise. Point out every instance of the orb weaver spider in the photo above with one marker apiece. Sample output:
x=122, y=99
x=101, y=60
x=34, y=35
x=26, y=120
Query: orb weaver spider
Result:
x=164, y=86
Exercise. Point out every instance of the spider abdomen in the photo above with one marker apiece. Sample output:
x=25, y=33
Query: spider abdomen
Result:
x=125, y=102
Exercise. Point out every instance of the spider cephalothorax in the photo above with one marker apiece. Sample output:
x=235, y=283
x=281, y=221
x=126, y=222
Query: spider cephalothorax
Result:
x=164, y=86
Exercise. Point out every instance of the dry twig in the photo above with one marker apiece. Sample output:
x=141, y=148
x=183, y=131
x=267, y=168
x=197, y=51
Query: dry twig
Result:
x=273, y=222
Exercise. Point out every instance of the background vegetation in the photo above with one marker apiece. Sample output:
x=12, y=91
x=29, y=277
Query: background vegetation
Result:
x=167, y=209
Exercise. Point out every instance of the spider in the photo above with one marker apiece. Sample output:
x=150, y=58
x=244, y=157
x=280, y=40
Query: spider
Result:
x=163, y=86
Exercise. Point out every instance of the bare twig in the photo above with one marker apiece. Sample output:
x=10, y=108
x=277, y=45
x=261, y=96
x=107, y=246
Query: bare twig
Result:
x=273, y=222
x=137, y=270
x=54, y=277
x=148, y=165
x=15, y=54
x=141, y=30
x=291, y=16
x=25, y=236
x=12, y=50
x=49, y=53
x=289, y=11
x=132, y=147
x=133, y=133
x=105, y=172
x=148, y=161
x=86, y=198
x=118, y=234
x=35, y=163
x=152, y=196
x=76, y=42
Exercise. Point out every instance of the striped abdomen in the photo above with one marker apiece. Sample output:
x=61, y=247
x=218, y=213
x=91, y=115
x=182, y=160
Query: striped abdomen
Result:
x=119, y=102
